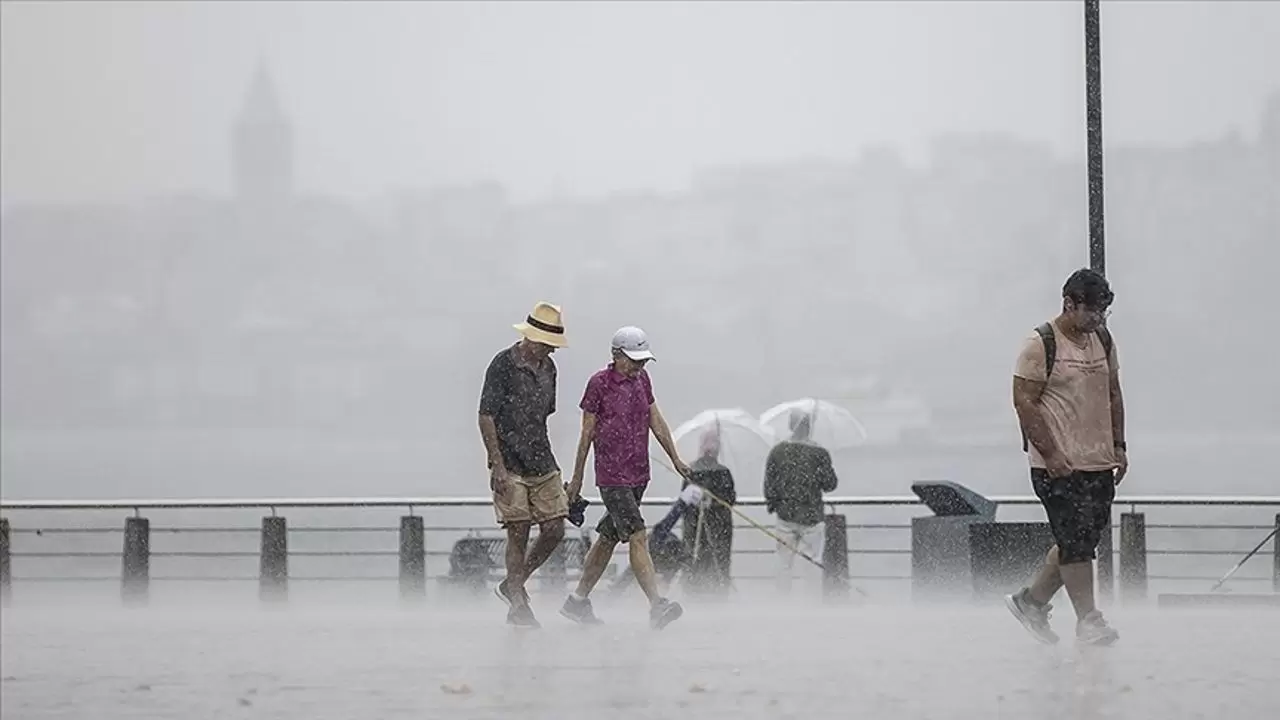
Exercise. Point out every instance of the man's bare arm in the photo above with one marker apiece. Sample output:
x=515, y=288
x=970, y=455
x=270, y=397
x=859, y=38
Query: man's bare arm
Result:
x=587, y=436
x=658, y=424
x=489, y=432
x=1026, y=402
x=1117, y=410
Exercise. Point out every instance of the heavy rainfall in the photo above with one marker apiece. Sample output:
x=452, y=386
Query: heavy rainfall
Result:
x=751, y=360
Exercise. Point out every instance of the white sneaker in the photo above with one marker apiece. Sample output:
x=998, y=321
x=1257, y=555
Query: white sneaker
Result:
x=1092, y=629
x=1034, y=619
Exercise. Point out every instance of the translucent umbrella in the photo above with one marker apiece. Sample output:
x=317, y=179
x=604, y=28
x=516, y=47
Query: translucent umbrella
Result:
x=744, y=442
x=830, y=425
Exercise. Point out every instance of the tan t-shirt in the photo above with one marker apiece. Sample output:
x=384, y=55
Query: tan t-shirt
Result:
x=1077, y=399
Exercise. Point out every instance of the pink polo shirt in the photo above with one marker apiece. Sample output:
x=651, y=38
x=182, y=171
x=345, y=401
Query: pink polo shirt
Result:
x=621, y=406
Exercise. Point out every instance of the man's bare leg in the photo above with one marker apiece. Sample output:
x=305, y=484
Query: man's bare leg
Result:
x=594, y=564
x=642, y=566
x=1078, y=577
x=517, y=541
x=550, y=533
x=1048, y=581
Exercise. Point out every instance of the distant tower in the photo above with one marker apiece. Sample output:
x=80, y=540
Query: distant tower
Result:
x=262, y=145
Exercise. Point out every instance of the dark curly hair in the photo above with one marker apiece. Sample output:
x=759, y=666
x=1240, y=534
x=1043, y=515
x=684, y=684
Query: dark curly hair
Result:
x=1089, y=288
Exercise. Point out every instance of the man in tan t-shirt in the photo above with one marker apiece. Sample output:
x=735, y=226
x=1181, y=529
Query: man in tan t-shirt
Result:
x=1066, y=391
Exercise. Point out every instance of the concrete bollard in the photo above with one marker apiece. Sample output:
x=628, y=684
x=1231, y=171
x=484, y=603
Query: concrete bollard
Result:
x=6, y=588
x=413, y=558
x=135, y=574
x=835, y=556
x=1106, y=566
x=273, y=565
x=1133, y=556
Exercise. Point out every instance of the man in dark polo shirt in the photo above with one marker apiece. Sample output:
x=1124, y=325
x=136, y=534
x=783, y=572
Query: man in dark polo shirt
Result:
x=519, y=395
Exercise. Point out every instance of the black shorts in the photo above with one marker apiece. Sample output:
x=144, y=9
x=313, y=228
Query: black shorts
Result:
x=622, y=517
x=1079, y=510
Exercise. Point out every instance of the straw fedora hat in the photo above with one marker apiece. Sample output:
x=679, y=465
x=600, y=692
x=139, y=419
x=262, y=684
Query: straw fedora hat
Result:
x=544, y=325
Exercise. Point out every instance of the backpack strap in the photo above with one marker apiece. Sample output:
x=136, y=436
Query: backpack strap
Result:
x=1045, y=331
x=1050, y=341
x=1105, y=336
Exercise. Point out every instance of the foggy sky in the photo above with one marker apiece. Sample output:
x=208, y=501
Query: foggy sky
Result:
x=120, y=101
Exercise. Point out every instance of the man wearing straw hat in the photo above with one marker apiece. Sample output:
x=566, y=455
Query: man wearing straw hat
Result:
x=519, y=395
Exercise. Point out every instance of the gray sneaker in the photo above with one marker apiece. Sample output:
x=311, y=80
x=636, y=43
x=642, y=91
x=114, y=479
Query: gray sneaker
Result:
x=1034, y=619
x=505, y=596
x=1092, y=629
x=522, y=616
x=579, y=611
x=663, y=613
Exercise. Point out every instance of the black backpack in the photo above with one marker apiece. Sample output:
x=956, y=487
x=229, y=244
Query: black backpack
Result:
x=1050, y=341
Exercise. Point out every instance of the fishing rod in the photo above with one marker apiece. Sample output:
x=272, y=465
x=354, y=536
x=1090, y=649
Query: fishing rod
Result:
x=760, y=527
x=1245, y=558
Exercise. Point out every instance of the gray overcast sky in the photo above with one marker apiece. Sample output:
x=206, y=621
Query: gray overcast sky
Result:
x=116, y=101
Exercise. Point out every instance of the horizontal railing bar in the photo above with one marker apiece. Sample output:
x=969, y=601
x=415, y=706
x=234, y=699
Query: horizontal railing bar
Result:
x=1227, y=553
x=1151, y=526
x=535, y=579
x=1210, y=578
x=453, y=502
x=195, y=529
x=351, y=578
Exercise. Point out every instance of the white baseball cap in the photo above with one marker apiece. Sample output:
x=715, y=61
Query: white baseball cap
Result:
x=633, y=343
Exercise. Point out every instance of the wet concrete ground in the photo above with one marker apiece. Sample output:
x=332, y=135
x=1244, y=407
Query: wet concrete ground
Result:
x=212, y=657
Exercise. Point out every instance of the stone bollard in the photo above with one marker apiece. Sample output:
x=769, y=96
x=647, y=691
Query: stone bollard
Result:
x=835, y=557
x=1106, y=566
x=6, y=589
x=273, y=566
x=135, y=574
x=413, y=558
x=1133, y=556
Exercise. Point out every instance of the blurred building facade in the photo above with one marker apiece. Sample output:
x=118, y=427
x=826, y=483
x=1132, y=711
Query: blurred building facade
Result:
x=864, y=280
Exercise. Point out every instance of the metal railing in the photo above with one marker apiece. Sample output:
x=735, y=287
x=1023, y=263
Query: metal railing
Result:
x=274, y=550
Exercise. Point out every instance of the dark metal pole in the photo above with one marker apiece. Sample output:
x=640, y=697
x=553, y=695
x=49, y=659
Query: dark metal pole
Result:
x=1093, y=107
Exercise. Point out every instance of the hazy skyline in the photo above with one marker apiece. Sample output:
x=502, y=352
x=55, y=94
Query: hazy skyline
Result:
x=110, y=102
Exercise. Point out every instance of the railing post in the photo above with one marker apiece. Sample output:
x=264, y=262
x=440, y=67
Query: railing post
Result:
x=1275, y=566
x=1106, y=565
x=1133, y=556
x=273, y=567
x=6, y=590
x=413, y=558
x=835, y=556
x=135, y=575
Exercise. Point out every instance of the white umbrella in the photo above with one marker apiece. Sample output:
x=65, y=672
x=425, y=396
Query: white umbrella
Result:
x=744, y=442
x=831, y=426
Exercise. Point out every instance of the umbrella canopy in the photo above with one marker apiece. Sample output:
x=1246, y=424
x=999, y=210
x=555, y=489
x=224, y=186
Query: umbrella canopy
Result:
x=742, y=441
x=829, y=425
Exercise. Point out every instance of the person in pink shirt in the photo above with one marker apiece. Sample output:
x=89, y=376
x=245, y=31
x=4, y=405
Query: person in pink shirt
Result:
x=618, y=413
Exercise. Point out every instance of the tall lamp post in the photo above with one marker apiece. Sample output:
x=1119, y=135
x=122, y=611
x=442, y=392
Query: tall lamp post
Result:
x=1093, y=108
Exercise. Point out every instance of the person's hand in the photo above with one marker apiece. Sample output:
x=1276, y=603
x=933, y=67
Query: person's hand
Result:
x=1057, y=465
x=1122, y=464
x=574, y=488
x=691, y=495
x=498, y=478
x=681, y=468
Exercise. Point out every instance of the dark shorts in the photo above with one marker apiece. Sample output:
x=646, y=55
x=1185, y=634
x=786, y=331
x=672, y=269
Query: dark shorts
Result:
x=1079, y=510
x=622, y=517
